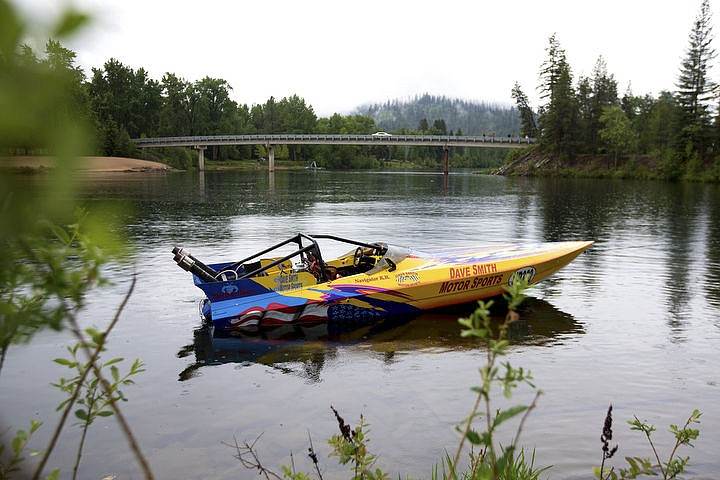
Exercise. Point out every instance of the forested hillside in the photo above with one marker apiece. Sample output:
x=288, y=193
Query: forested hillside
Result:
x=460, y=116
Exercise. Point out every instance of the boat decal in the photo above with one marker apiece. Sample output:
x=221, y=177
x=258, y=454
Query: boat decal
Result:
x=472, y=270
x=244, y=323
x=287, y=282
x=351, y=312
x=252, y=316
x=470, y=284
x=342, y=291
x=278, y=317
x=528, y=273
x=230, y=291
x=314, y=313
x=407, y=279
x=477, y=255
x=377, y=278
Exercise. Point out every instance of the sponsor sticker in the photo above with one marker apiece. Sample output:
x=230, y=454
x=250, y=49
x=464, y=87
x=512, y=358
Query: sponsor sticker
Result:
x=470, y=284
x=527, y=273
x=407, y=279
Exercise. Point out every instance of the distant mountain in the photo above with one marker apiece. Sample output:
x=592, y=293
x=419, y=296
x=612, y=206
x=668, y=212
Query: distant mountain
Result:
x=472, y=118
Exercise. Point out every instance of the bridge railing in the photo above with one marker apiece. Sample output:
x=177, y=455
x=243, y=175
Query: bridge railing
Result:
x=290, y=138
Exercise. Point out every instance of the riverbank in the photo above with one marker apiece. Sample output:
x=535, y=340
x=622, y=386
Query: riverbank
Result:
x=637, y=167
x=86, y=164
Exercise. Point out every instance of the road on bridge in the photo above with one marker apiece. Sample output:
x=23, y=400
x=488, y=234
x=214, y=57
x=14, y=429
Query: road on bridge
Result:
x=381, y=138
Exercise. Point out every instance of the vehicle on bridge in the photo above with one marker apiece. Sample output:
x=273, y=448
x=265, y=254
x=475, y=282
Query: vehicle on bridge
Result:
x=370, y=282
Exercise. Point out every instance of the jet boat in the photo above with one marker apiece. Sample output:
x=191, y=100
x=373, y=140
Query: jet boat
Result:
x=292, y=283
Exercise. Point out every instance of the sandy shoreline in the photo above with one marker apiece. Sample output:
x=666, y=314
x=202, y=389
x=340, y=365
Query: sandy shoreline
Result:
x=88, y=164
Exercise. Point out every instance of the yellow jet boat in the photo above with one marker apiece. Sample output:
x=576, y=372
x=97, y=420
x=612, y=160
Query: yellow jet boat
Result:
x=371, y=281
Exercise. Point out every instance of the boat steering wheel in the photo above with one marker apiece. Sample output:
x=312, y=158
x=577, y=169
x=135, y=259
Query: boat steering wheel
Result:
x=357, y=257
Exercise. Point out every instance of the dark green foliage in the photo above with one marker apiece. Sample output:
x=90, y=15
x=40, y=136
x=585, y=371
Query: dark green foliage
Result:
x=126, y=96
x=528, y=123
x=559, y=115
x=675, y=130
x=349, y=156
x=604, y=95
x=616, y=132
x=695, y=90
x=115, y=140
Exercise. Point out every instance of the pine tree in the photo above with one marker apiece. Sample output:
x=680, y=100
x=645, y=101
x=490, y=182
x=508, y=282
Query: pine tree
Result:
x=528, y=127
x=558, y=117
x=604, y=88
x=695, y=90
x=584, y=96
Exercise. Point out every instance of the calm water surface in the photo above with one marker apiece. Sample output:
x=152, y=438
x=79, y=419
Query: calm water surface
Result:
x=634, y=323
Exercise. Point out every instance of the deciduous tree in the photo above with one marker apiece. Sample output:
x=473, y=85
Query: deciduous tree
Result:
x=617, y=131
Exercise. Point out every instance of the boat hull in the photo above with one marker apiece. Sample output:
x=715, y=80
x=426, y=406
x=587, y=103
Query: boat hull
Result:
x=421, y=281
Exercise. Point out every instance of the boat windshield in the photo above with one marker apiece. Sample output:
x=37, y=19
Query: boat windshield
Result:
x=394, y=255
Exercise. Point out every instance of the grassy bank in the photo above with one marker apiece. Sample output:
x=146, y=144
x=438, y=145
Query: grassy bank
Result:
x=637, y=167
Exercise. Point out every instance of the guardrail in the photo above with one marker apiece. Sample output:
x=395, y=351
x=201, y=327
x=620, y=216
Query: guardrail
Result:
x=319, y=139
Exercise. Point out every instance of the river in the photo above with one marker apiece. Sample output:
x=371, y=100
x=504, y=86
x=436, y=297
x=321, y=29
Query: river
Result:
x=634, y=322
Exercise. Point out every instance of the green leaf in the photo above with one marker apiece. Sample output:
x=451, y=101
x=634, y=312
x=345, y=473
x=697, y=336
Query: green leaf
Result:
x=34, y=425
x=60, y=233
x=96, y=335
x=113, y=361
x=18, y=443
x=473, y=437
x=511, y=412
x=115, y=373
x=81, y=414
x=65, y=361
x=105, y=413
x=137, y=366
x=54, y=475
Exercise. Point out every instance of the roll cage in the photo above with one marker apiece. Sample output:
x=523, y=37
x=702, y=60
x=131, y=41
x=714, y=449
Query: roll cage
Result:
x=308, y=250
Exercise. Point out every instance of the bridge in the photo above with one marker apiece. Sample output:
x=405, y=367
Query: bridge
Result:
x=381, y=138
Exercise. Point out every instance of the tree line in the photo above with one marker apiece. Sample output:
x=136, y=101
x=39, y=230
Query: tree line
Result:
x=678, y=130
x=120, y=103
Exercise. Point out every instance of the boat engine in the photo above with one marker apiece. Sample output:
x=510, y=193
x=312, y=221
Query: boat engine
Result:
x=191, y=264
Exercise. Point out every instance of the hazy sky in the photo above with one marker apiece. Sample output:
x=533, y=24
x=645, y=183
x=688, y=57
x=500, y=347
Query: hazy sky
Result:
x=338, y=54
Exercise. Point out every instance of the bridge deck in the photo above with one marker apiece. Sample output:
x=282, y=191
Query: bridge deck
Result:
x=320, y=139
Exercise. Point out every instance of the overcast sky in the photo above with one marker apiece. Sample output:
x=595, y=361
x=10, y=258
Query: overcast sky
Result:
x=339, y=54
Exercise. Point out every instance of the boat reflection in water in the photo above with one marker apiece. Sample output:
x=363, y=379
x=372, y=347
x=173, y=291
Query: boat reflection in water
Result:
x=304, y=350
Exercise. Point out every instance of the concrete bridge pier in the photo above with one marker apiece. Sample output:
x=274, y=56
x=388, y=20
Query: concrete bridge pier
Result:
x=446, y=160
x=271, y=157
x=201, y=157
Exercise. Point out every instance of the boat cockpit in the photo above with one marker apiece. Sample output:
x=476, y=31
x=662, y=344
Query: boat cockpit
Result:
x=366, y=258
